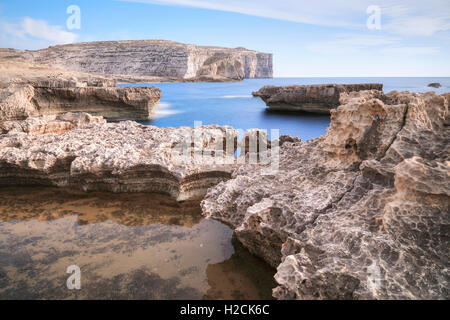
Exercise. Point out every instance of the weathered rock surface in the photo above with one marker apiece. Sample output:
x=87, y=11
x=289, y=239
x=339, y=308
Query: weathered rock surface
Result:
x=16, y=102
x=157, y=58
x=319, y=98
x=361, y=213
x=17, y=67
x=118, y=157
x=20, y=101
x=49, y=124
x=113, y=102
x=435, y=85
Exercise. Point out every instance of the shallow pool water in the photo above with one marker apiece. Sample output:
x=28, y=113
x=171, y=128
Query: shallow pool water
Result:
x=127, y=246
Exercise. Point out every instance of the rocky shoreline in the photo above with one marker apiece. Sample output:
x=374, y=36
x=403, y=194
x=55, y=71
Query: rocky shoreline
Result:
x=115, y=157
x=21, y=101
x=355, y=214
x=360, y=213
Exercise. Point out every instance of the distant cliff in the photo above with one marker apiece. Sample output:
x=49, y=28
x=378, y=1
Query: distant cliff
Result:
x=158, y=58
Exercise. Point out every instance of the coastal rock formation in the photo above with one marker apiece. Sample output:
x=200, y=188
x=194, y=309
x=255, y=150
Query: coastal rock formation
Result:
x=319, y=98
x=49, y=124
x=157, y=58
x=119, y=157
x=360, y=213
x=16, y=102
x=112, y=103
x=435, y=85
x=18, y=67
x=20, y=101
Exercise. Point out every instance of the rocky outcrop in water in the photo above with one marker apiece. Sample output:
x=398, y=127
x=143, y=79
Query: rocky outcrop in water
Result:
x=360, y=213
x=119, y=157
x=435, y=85
x=157, y=58
x=20, y=101
x=319, y=98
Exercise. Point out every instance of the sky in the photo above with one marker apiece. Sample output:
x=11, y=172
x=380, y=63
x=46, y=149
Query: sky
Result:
x=321, y=38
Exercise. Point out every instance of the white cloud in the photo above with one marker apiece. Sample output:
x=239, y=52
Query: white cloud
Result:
x=418, y=26
x=349, y=43
x=357, y=43
x=325, y=12
x=409, y=51
x=33, y=34
x=41, y=30
x=409, y=18
x=11, y=29
x=406, y=17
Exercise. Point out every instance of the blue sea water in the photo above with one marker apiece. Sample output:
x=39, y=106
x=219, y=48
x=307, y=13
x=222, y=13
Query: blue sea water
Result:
x=231, y=103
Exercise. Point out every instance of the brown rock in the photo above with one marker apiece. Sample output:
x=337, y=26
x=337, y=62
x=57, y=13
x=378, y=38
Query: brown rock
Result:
x=309, y=98
x=112, y=103
x=21, y=101
x=16, y=102
x=116, y=157
x=361, y=213
x=49, y=124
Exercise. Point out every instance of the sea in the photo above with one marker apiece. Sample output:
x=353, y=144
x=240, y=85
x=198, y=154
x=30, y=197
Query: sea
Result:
x=232, y=103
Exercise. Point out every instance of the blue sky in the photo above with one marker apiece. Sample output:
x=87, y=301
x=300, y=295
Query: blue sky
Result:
x=308, y=38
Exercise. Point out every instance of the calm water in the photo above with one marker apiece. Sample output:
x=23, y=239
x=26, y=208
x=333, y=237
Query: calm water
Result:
x=128, y=246
x=232, y=103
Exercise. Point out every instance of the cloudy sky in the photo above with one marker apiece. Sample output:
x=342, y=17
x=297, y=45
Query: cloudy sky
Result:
x=308, y=38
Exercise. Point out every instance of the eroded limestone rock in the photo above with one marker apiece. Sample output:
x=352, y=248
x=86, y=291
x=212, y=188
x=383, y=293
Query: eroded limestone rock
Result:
x=319, y=98
x=118, y=157
x=49, y=124
x=17, y=102
x=361, y=213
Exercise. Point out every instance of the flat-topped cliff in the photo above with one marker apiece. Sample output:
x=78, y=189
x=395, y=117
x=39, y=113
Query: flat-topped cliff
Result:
x=157, y=58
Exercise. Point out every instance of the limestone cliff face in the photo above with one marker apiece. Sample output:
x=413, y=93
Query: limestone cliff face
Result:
x=17, y=102
x=158, y=58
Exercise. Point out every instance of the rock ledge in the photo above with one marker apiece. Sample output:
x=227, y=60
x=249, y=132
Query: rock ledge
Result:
x=319, y=98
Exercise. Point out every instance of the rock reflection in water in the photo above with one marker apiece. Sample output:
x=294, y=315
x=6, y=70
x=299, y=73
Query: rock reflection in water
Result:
x=128, y=246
